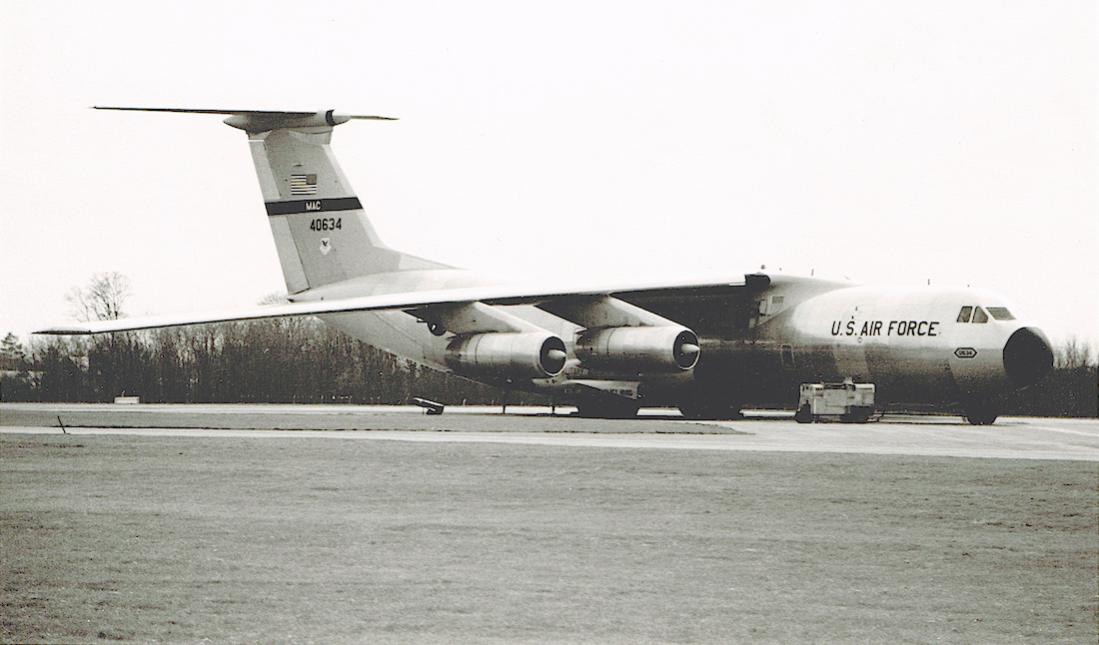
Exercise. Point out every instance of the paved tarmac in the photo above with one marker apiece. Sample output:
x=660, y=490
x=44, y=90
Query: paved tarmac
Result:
x=253, y=523
x=944, y=436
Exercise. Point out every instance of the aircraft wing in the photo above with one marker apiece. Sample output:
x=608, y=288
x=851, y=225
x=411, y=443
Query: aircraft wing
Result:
x=491, y=295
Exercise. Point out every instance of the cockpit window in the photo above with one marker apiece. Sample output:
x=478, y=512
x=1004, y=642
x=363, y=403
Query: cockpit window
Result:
x=979, y=315
x=1000, y=313
x=964, y=314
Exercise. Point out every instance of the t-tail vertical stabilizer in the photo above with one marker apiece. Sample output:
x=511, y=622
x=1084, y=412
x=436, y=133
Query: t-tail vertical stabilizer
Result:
x=321, y=232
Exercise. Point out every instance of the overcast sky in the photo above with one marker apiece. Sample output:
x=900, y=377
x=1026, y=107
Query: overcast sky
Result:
x=887, y=142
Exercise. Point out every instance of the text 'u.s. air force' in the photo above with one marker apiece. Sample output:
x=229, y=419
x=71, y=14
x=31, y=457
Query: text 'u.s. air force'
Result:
x=885, y=328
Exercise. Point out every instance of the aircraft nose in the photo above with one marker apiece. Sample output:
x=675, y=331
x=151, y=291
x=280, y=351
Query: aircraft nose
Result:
x=1027, y=356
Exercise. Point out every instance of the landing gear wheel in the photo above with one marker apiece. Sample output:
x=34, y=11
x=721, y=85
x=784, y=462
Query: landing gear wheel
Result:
x=981, y=417
x=804, y=414
x=981, y=413
x=625, y=409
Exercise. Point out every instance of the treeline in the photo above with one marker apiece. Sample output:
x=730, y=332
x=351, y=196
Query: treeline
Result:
x=301, y=360
x=1066, y=392
x=291, y=360
x=1070, y=390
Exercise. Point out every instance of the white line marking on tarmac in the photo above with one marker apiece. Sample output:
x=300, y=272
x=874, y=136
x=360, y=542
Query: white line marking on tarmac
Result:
x=932, y=446
x=1093, y=435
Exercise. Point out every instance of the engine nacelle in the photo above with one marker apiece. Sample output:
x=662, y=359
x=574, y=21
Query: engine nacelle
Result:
x=507, y=354
x=638, y=349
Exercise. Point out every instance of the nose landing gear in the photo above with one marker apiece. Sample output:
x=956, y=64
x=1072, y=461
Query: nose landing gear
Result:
x=981, y=413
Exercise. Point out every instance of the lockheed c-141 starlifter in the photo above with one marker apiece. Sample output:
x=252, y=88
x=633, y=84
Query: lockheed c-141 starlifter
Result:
x=708, y=347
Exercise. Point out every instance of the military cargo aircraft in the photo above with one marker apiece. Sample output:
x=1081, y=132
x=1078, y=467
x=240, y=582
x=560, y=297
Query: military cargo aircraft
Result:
x=708, y=347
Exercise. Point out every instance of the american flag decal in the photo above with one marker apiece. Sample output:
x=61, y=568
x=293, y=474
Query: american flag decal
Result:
x=303, y=184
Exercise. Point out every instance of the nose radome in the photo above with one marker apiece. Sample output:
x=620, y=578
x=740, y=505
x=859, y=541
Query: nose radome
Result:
x=1027, y=357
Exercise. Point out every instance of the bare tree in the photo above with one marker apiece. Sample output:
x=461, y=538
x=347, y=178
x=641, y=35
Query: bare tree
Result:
x=11, y=350
x=1073, y=354
x=274, y=298
x=102, y=298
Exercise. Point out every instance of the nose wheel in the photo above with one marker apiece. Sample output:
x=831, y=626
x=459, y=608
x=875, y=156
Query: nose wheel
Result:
x=979, y=414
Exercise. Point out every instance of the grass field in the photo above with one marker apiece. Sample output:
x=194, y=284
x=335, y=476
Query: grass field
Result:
x=237, y=539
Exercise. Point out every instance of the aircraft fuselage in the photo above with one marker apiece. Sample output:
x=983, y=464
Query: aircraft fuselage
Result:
x=758, y=347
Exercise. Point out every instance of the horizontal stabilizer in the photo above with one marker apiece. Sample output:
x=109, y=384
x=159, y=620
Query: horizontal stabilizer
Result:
x=255, y=112
x=263, y=120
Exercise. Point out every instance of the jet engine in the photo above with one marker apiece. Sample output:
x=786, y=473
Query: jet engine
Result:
x=638, y=349
x=507, y=354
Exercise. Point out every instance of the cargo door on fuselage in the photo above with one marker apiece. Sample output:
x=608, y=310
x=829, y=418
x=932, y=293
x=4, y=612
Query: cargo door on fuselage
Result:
x=847, y=348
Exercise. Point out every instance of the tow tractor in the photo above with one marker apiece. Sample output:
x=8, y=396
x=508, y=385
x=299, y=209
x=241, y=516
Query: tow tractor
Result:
x=848, y=402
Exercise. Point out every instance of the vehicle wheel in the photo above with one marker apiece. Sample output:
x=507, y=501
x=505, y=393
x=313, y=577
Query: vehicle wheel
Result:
x=857, y=416
x=804, y=414
x=624, y=409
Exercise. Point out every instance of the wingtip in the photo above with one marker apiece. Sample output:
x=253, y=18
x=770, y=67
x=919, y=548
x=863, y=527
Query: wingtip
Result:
x=63, y=330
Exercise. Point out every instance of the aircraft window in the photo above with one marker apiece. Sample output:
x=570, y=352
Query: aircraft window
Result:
x=1000, y=313
x=979, y=315
x=965, y=314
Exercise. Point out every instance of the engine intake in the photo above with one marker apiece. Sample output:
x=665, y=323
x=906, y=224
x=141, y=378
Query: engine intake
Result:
x=638, y=349
x=506, y=354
